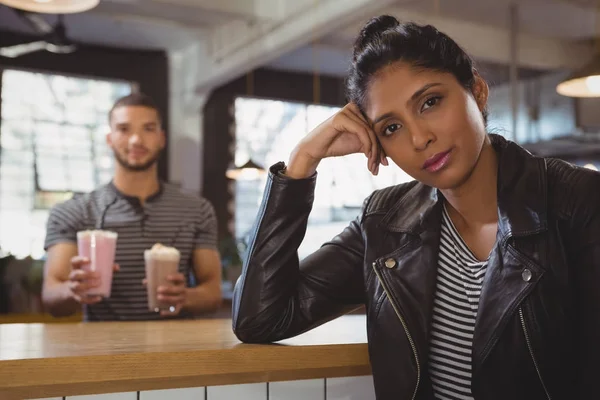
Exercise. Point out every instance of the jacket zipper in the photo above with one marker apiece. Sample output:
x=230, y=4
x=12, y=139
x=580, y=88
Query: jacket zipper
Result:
x=410, y=339
x=531, y=352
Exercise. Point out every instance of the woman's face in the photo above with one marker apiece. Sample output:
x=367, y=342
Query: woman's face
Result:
x=428, y=123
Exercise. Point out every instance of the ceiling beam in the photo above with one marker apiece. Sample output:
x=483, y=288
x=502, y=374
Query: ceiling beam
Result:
x=237, y=49
x=492, y=44
x=251, y=9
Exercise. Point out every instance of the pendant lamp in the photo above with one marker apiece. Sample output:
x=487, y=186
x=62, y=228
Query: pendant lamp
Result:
x=52, y=6
x=584, y=82
x=249, y=171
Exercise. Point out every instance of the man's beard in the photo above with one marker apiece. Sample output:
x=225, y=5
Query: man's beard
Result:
x=136, y=168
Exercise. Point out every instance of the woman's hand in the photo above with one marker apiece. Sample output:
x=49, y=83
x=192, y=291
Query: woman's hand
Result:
x=346, y=132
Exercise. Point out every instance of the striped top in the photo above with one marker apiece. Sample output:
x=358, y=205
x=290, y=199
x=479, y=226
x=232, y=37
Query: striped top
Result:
x=458, y=288
x=169, y=217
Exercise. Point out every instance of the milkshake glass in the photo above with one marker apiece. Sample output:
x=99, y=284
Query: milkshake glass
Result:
x=161, y=261
x=99, y=247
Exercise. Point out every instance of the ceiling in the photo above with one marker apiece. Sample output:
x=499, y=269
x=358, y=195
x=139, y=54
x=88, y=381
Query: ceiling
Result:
x=570, y=19
x=130, y=23
x=564, y=20
x=127, y=25
x=327, y=60
x=550, y=30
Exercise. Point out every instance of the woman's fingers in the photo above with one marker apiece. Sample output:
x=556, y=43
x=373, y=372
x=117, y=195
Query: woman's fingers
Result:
x=353, y=108
x=368, y=138
x=347, y=123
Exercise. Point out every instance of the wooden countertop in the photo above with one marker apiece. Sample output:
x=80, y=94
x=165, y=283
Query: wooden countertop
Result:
x=47, y=360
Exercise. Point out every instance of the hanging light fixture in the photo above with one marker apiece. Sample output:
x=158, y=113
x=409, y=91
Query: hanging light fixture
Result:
x=247, y=172
x=584, y=82
x=52, y=6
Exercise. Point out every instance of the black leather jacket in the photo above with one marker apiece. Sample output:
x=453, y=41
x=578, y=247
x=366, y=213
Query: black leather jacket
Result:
x=537, y=333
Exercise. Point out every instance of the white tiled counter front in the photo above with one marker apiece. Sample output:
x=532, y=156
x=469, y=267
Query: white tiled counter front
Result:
x=181, y=360
x=348, y=388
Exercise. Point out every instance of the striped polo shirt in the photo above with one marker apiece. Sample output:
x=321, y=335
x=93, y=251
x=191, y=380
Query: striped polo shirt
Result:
x=169, y=217
x=458, y=288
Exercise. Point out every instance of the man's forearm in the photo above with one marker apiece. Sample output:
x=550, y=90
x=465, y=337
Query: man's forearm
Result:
x=203, y=298
x=57, y=300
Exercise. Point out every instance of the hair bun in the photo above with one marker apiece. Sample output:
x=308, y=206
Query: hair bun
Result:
x=373, y=30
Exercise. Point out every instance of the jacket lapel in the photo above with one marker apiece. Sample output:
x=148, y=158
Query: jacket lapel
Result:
x=511, y=273
x=409, y=270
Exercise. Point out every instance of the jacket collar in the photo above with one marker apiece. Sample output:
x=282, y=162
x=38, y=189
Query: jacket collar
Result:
x=521, y=196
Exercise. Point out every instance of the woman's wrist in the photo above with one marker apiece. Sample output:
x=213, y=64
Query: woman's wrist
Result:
x=300, y=166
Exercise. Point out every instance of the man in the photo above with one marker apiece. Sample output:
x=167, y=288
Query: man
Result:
x=143, y=211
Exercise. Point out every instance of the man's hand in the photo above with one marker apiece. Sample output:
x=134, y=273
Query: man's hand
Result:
x=66, y=280
x=172, y=295
x=206, y=297
x=81, y=281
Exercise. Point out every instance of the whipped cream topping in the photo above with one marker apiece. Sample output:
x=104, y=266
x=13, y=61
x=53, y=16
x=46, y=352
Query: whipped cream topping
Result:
x=162, y=252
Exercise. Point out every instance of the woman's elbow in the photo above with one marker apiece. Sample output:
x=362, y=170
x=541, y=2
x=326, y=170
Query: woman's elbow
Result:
x=246, y=333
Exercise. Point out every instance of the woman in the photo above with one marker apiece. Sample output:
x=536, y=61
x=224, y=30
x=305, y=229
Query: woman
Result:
x=479, y=278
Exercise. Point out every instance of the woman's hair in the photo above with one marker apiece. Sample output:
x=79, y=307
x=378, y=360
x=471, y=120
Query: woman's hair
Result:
x=384, y=41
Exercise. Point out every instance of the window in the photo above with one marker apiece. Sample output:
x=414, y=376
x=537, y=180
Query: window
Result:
x=267, y=131
x=52, y=145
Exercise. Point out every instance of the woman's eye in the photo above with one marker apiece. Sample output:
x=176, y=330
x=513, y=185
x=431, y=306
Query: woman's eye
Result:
x=391, y=129
x=430, y=102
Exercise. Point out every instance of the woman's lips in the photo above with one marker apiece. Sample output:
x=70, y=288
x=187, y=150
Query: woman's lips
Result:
x=437, y=161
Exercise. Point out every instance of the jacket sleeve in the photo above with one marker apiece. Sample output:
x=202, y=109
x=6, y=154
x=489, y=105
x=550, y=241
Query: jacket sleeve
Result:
x=277, y=296
x=584, y=257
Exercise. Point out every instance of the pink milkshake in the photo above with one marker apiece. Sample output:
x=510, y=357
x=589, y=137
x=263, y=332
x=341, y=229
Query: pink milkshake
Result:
x=99, y=247
x=161, y=261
